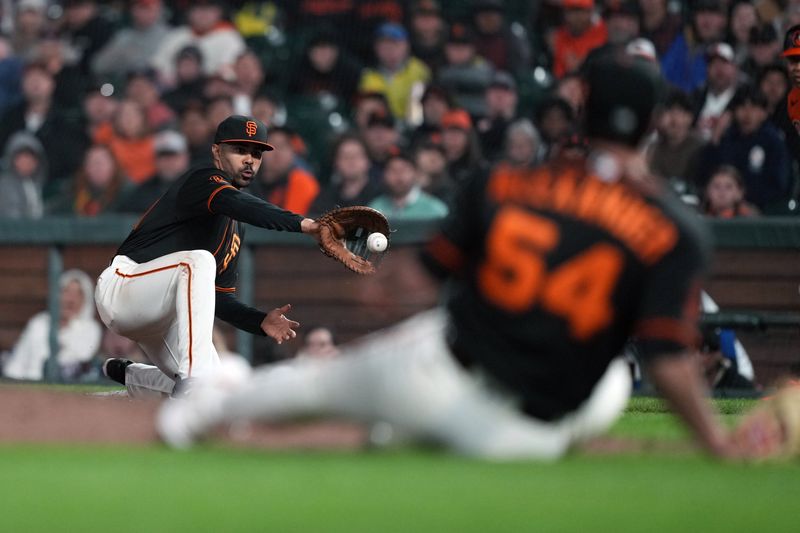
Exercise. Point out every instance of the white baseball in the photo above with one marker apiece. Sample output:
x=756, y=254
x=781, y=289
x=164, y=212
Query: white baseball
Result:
x=377, y=242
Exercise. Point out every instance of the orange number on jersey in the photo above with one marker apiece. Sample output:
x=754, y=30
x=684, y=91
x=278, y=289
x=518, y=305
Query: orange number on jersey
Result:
x=514, y=275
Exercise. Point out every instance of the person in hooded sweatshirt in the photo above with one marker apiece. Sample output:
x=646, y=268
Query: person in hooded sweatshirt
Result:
x=23, y=172
x=79, y=334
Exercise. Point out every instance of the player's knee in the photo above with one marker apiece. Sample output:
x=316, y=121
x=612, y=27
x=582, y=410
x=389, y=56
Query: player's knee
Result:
x=202, y=262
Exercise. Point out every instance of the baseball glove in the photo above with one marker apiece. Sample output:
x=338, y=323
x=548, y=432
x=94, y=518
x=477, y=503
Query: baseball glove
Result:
x=772, y=429
x=343, y=235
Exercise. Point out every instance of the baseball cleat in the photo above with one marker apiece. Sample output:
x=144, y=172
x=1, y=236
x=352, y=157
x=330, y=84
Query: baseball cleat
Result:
x=114, y=369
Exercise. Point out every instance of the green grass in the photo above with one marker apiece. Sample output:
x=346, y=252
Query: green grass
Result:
x=103, y=488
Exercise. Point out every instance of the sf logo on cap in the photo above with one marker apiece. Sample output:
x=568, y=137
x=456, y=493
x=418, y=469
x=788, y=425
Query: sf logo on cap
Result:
x=250, y=128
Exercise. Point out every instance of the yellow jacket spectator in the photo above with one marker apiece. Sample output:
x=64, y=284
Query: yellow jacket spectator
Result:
x=397, y=71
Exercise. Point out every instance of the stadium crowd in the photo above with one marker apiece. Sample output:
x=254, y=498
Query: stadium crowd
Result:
x=388, y=103
x=391, y=103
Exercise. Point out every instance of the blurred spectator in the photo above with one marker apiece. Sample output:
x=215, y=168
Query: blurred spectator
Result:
x=61, y=137
x=719, y=370
x=522, y=144
x=368, y=16
x=218, y=109
x=30, y=24
x=189, y=79
x=216, y=38
x=465, y=75
x=131, y=48
x=743, y=20
x=78, y=334
x=10, y=76
x=505, y=48
x=69, y=81
x=711, y=101
x=773, y=82
x=501, y=110
x=22, y=177
x=403, y=198
x=199, y=134
x=579, y=35
x=131, y=141
x=676, y=152
x=99, y=107
x=435, y=102
x=350, y=183
x=570, y=88
x=431, y=163
x=99, y=187
x=143, y=89
x=396, y=71
x=249, y=79
x=172, y=161
x=428, y=31
x=554, y=119
x=368, y=104
x=574, y=145
x=764, y=50
x=660, y=24
x=268, y=109
x=757, y=150
x=281, y=181
x=724, y=195
x=461, y=146
x=326, y=69
x=684, y=62
x=318, y=341
x=86, y=30
x=622, y=20
x=381, y=138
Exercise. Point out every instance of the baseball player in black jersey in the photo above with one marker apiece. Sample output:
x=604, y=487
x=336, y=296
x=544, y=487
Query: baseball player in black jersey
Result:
x=549, y=271
x=177, y=268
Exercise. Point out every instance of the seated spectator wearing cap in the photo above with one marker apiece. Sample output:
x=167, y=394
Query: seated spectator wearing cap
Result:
x=461, y=146
x=132, y=47
x=281, y=181
x=504, y=48
x=756, y=149
x=523, y=145
x=187, y=87
x=396, y=71
x=350, y=183
x=131, y=141
x=326, y=68
x=684, y=62
x=712, y=99
x=30, y=24
x=623, y=20
x=365, y=106
x=86, y=29
x=99, y=107
x=99, y=186
x=436, y=101
x=501, y=110
x=428, y=32
x=579, y=35
x=142, y=88
x=381, y=138
x=675, y=153
x=207, y=29
x=465, y=74
x=172, y=161
x=764, y=50
x=404, y=198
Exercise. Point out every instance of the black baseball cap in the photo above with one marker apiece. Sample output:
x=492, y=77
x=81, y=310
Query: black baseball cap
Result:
x=241, y=129
x=791, y=43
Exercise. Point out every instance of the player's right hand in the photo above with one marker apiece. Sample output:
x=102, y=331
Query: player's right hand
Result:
x=277, y=326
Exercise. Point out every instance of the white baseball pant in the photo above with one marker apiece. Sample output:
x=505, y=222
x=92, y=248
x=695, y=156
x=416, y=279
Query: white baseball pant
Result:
x=167, y=306
x=406, y=377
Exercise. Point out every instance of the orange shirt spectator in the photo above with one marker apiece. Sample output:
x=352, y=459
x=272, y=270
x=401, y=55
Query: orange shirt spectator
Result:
x=295, y=193
x=281, y=181
x=130, y=141
x=579, y=35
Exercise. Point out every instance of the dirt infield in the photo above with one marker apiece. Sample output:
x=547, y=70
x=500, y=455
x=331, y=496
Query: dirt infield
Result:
x=33, y=415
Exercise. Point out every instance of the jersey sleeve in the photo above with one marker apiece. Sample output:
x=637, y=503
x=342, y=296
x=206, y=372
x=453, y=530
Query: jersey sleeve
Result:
x=236, y=313
x=446, y=252
x=670, y=303
x=213, y=194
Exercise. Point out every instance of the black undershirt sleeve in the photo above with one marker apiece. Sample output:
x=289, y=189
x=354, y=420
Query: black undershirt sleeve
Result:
x=247, y=208
x=240, y=315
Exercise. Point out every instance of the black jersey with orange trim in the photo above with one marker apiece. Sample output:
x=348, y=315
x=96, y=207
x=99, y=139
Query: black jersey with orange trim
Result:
x=551, y=269
x=202, y=210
